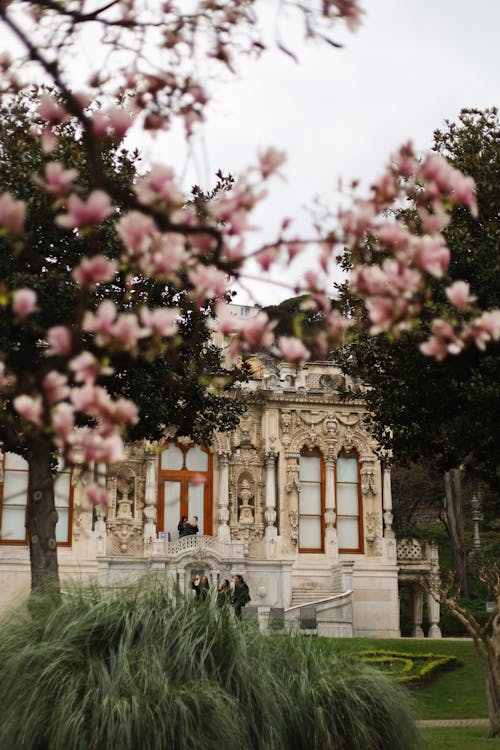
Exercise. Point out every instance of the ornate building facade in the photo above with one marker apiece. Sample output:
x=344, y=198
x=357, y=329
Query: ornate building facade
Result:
x=296, y=500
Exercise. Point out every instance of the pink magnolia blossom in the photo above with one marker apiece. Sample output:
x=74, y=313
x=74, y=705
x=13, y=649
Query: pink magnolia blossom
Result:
x=293, y=350
x=135, y=230
x=85, y=367
x=256, y=334
x=12, y=213
x=127, y=331
x=59, y=340
x=355, y=223
x=124, y=411
x=459, y=294
x=484, y=329
x=91, y=212
x=350, y=11
x=95, y=494
x=381, y=314
x=430, y=254
x=208, y=282
x=159, y=186
x=58, y=180
x=443, y=341
x=102, y=449
x=433, y=223
x=102, y=321
x=163, y=322
x=167, y=257
x=63, y=422
x=197, y=480
x=51, y=111
x=29, y=408
x=94, y=270
x=266, y=257
x=294, y=248
x=55, y=386
x=270, y=161
x=23, y=302
x=114, y=122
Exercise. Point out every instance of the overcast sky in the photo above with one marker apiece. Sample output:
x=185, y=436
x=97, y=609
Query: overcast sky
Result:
x=340, y=113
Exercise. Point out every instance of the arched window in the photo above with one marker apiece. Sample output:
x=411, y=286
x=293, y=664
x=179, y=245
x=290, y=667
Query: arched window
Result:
x=184, y=487
x=13, y=499
x=311, y=501
x=348, y=503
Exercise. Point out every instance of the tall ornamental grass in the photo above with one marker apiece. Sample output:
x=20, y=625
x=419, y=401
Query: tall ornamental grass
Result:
x=139, y=669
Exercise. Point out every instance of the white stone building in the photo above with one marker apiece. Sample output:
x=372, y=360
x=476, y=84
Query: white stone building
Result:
x=295, y=500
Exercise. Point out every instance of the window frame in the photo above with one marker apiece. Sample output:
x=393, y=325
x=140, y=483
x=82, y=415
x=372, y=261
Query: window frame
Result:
x=314, y=550
x=182, y=476
x=360, y=548
x=24, y=542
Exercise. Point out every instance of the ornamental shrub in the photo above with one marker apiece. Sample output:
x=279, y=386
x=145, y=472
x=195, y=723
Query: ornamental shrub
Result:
x=139, y=668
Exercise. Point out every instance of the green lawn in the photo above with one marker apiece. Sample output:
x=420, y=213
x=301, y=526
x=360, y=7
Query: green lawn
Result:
x=458, y=694
x=458, y=738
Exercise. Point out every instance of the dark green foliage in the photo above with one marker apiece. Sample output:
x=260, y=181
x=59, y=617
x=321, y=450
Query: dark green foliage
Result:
x=138, y=669
x=295, y=319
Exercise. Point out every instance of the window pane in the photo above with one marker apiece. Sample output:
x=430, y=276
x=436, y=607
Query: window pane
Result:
x=310, y=533
x=196, y=459
x=347, y=499
x=347, y=469
x=13, y=525
x=348, y=533
x=15, y=489
x=310, y=499
x=62, y=530
x=310, y=468
x=196, y=495
x=62, y=489
x=172, y=510
x=13, y=461
x=172, y=459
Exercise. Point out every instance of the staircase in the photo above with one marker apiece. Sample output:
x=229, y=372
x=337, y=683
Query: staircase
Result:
x=309, y=596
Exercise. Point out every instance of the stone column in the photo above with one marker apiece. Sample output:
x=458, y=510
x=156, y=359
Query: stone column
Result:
x=223, y=532
x=100, y=511
x=271, y=531
x=331, y=547
x=433, y=605
x=433, y=610
x=150, y=500
x=387, y=504
x=417, y=603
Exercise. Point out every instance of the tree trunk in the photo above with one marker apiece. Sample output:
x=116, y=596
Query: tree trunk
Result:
x=41, y=518
x=493, y=688
x=455, y=523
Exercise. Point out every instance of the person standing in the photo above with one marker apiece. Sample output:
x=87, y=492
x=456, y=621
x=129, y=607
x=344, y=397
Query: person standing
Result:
x=241, y=595
x=191, y=527
x=224, y=593
x=181, y=526
x=201, y=588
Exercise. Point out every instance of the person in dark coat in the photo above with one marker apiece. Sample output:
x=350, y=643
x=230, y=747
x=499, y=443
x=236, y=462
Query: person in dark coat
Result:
x=241, y=595
x=224, y=593
x=181, y=525
x=201, y=588
x=191, y=526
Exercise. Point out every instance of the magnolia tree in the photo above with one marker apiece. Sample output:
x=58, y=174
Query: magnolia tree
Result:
x=144, y=79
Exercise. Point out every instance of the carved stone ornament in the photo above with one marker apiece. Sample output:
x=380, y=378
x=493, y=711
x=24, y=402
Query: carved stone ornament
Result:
x=294, y=526
x=245, y=500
